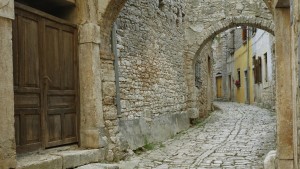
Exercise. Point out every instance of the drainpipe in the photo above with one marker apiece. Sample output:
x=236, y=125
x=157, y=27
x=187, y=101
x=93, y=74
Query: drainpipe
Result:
x=248, y=69
x=116, y=65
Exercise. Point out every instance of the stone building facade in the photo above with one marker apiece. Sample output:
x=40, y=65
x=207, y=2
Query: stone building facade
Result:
x=100, y=128
x=153, y=91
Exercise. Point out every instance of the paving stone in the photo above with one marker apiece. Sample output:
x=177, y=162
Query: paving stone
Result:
x=208, y=146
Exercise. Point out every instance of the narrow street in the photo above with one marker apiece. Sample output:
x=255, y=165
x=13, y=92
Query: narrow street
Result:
x=237, y=136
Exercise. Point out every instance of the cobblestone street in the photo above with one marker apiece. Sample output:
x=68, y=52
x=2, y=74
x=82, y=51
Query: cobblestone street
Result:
x=237, y=136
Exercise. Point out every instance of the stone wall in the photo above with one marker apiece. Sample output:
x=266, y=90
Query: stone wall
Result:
x=203, y=99
x=151, y=67
x=208, y=18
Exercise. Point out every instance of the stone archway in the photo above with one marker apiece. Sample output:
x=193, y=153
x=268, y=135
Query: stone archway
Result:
x=197, y=48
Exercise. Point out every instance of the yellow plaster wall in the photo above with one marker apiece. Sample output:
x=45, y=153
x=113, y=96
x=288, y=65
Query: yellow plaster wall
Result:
x=240, y=62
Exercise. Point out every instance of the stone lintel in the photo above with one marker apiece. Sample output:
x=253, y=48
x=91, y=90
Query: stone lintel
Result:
x=7, y=9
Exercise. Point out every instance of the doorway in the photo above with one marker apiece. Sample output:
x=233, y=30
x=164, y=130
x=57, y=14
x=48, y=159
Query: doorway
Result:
x=45, y=80
x=219, y=86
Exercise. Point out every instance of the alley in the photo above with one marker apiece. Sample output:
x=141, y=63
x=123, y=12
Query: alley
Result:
x=237, y=136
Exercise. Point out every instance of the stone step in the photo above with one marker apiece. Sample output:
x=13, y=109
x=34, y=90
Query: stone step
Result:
x=61, y=159
x=99, y=166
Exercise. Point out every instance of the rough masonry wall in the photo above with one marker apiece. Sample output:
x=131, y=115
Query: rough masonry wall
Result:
x=203, y=94
x=204, y=14
x=152, y=80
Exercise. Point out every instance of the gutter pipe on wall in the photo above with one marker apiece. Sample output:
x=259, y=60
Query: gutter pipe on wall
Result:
x=248, y=67
x=116, y=65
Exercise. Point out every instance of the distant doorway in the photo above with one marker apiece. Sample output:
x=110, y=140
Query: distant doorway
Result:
x=219, y=86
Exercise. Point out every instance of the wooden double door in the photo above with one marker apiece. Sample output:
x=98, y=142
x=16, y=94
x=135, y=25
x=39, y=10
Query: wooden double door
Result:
x=45, y=80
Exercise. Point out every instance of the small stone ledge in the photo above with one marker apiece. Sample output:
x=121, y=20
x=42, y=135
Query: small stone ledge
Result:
x=61, y=160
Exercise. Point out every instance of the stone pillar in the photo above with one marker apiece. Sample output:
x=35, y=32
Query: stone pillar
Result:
x=284, y=83
x=7, y=131
x=91, y=111
x=190, y=80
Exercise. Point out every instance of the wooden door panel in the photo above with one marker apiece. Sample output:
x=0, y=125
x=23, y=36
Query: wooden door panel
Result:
x=61, y=102
x=28, y=128
x=67, y=62
x=54, y=127
x=29, y=53
x=52, y=57
x=62, y=94
x=32, y=126
x=27, y=81
x=27, y=101
x=70, y=125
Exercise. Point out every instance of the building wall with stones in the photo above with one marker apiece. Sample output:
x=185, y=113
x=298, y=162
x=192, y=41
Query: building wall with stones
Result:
x=153, y=90
x=203, y=93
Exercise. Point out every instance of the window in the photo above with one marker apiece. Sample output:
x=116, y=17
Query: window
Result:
x=198, y=74
x=266, y=66
x=244, y=34
x=239, y=75
x=257, y=70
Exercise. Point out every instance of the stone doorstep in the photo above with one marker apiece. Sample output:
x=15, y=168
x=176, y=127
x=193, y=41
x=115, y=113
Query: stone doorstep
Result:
x=60, y=160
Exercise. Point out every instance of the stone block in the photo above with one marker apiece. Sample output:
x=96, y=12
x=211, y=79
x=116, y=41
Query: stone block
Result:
x=76, y=158
x=7, y=9
x=109, y=89
x=89, y=33
x=110, y=113
x=40, y=162
x=138, y=132
x=89, y=138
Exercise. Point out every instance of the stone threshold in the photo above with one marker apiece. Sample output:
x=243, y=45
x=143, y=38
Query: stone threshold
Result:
x=60, y=158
